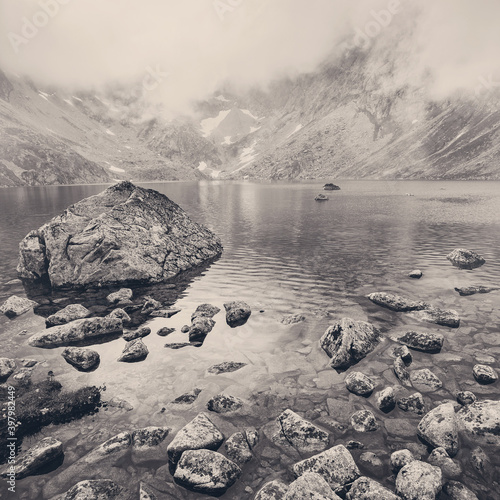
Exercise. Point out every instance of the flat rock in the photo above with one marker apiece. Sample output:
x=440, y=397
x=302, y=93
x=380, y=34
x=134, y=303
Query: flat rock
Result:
x=122, y=296
x=304, y=436
x=439, y=428
x=135, y=350
x=225, y=367
x=224, y=403
x=165, y=312
x=364, y=421
x=335, y=465
x=413, y=403
x=423, y=341
x=114, y=448
x=397, y=302
x=359, y=384
x=273, y=490
x=310, y=486
x=148, y=443
x=472, y=290
x=83, y=359
x=484, y=374
x=150, y=305
x=399, y=459
x=415, y=274
x=237, y=313
x=197, y=434
x=441, y=317
x=7, y=367
x=120, y=314
x=188, y=397
x=15, y=306
x=458, y=491
x=126, y=234
x=200, y=327
x=164, y=331
x=365, y=488
x=137, y=334
x=321, y=197
x=205, y=311
x=206, y=471
x=77, y=331
x=401, y=372
x=419, y=481
x=331, y=187
x=425, y=381
x=99, y=489
x=237, y=448
x=66, y=315
x=466, y=397
x=348, y=341
x=465, y=259
x=481, y=421
x=292, y=319
x=32, y=460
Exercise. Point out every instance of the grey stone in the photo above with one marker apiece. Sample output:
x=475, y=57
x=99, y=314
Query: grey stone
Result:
x=465, y=259
x=481, y=421
x=484, y=374
x=413, y=403
x=292, y=319
x=466, y=397
x=83, y=359
x=419, y=481
x=273, y=490
x=66, y=315
x=471, y=290
x=424, y=380
x=439, y=428
x=237, y=313
x=137, y=334
x=7, y=367
x=415, y=274
x=423, y=341
x=224, y=403
x=458, y=491
x=238, y=449
x=122, y=296
x=310, y=485
x=15, y=306
x=365, y=488
x=205, y=311
x=401, y=372
x=135, y=350
x=226, y=367
x=396, y=302
x=364, y=421
x=399, y=459
x=359, y=384
x=120, y=314
x=99, y=489
x=448, y=466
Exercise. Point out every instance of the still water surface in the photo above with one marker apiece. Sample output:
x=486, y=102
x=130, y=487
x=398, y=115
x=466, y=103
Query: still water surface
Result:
x=283, y=253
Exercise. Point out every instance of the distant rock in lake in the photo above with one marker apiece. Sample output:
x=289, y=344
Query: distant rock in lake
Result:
x=465, y=259
x=321, y=197
x=126, y=234
x=331, y=187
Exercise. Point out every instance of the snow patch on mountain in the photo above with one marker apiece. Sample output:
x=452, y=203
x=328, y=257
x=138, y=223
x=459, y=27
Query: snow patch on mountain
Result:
x=210, y=124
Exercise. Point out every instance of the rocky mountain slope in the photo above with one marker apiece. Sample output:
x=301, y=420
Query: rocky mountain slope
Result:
x=354, y=117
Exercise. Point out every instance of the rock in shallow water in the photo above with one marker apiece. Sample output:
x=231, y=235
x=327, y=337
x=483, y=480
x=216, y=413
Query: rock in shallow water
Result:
x=237, y=313
x=223, y=403
x=310, y=486
x=364, y=421
x=365, y=488
x=206, y=471
x=471, y=290
x=15, y=306
x=124, y=234
x=481, y=421
x=83, y=359
x=238, y=449
x=98, y=489
x=135, y=350
x=458, y=491
x=225, y=367
x=32, y=460
x=419, y=481
x=137, y=334
x=439, y=428
x=424, y=380
x=465, y=259
x=273, y=490
x=414, y=403
x=122, y=296
x=396, y=302
x=359, y=384
x=399, y=459
x=386, y=400
x=484, y=374
x=348, y=341
x=423, y=341
x=66, y=315
x=77, y=331
x=7, y=367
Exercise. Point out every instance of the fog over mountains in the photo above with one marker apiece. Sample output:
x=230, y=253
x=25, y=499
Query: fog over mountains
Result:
x=261, y=89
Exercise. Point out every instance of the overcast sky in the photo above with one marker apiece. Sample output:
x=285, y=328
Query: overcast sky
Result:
x=193, y=46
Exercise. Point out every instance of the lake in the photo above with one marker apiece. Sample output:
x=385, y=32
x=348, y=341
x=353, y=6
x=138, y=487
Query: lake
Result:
x=284, y=253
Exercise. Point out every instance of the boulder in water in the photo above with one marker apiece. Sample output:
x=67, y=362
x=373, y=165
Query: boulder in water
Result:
x=321, y=197
x=397, y=302
x=135, y=350
x=419, y=481
x=67, y=315
x=331, y=187
x=83, y=359
x=237, y=313
x=439, y=428
x=365, y=488
x=471, y=290
x=465, y=259
x=481, y=421
x=126, y=234
x=15, y=306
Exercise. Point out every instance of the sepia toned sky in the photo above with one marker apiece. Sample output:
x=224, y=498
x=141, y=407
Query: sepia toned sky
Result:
x=196, y=45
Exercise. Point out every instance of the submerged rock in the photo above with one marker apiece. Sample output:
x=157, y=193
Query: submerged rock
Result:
x=424, y=380
x=122, y=296
x=335, y=465
x=465, y=259
x=125, y=234
x=414, y=403
x=238, y=449
x=187, y=398
x=415, y=274
x=205, y=311
x=200, y=328
x=419, y=481
x=401, y=372
x=66, y=315
x=365, y=488
x=449, y=467
x=471, y=290
x=237, y=313
x=458, y=491
x=310, y=486
x=481, y=421
x=32, y=460
x=423, y=341
x=137, y=334
x=225, y=367
x=466, y=397
x=222, y=403
x=135, y=350
x=439, y=428
x=15, y=306
x=120, y=314
x=439, y=316
x=206, y=471
x=359, y=384
x=164, y=331
x=83, y=359
x=77, y=331
x=197, y=434
x=304, y=436
x=484, y=374
x=396, y=302
x=348, y=341
x=386, y=400
x=274, y=490
x=292, y=319
x=148, y=443
x=364, y=421
x=98, y=489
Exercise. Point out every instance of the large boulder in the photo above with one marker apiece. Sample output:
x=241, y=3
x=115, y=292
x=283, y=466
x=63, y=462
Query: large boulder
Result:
x=126, y=234
x=224, y=403
x=98, y=489
x=198, y=434
x=310, y=486
x=273, y=490
x=31, y=461
x=335, y=465
x=206, y=471
x=15, y=306
x=77, y=331
x=135, y=350
x=365, y=488
x=237, y=313
x=419, y=481
x=348, y=341
x=439, y=428
x=396, y=302
x=82, y=359
x=481, y=421
x=67, y=315
x=423, y=341
x=359, y=384
x=465, y=259
x=238, y=449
